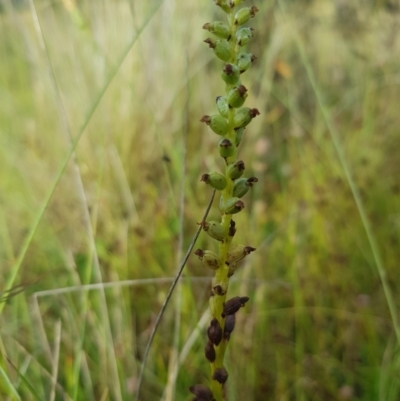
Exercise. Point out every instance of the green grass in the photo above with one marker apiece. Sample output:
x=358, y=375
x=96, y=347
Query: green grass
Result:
x=99, y=126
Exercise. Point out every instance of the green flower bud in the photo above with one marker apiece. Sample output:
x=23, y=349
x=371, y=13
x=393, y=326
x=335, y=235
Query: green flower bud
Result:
x=244, y=35
x=209, y=259
x=215, y=180
x=226, y=148
x=221, y=48
x=226, y=5
x=232, y=269
x=233, y=205
x=222, y=106
x=238, y=253
x=230, y=74
x=237, y=96
x=244, y=61
x=243, y=185
x=235, y=170
x=217, y=123
x=214, y=230
x=236, y=2
x=244, y=14
x=218, y=28
x=239, y=136
x=244, y=116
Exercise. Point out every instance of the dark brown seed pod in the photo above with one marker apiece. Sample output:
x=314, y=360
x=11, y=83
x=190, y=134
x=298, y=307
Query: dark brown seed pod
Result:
x=220, y=375
x=209, y=351
x=232, y=228
x=233, y=305
x=230, y=321
x=203, y=393
x=214, y=332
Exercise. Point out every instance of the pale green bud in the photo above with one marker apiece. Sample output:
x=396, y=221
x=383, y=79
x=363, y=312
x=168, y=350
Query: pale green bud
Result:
x=215, y=180
x=237, y=96
x=222, y=106
x=226, y=148
x=242, y=186
x=239, y=135
x=244, y=35
x=244, y=116
x=220, y=47
x=226, y=5
x=209, y=258
x=244, y=61
x=244, y=14
x=238, y=253
x=235, y=255
x=214, y=230
x=233, y=205
x=235, y=170
x=217, y=123
x=236, y=2
x=230, y=74
x=219, y=29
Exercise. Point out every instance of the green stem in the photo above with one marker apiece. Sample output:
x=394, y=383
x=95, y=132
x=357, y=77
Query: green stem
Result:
x=221, y=275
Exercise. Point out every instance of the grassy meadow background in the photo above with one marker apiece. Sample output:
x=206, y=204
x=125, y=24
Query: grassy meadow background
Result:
x=101, y=152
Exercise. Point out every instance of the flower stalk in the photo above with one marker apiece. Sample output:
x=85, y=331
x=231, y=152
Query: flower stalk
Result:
x=229, y=123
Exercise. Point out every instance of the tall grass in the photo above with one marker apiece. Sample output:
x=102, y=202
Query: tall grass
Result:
x=96, y=100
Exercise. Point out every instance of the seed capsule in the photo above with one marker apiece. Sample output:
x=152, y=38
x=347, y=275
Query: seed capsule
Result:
x=203, y=393
x=237, y=96
x=217, y=123
x=244, y=61
x=215, y=180
x=244, y=116
x=214, y=230
x=238, y=253
x=230, y=321
x=209, y=351
x=244, y=35
x=214, y=332
x=222, y=50
x=220, y=375
x=209, y=259
x=226, y=5
x=218, y=28
x=226, y=148
x=222, y=106
x=233, y=305
x=232, y=228
x=244, y=14
x=230, y=74
x=242, y=186
x=233, y=206
x=235, y=170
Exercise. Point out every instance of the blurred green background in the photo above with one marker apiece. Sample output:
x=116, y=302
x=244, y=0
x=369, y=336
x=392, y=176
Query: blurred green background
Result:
x=101, y=154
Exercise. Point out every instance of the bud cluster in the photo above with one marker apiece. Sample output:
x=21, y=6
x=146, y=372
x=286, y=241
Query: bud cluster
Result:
x=229, y=123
